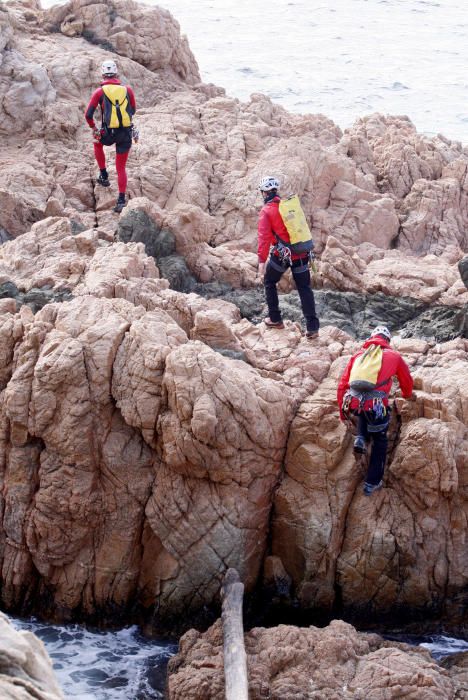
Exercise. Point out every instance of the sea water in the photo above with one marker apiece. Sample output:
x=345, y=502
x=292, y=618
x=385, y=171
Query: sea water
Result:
x=96, y=665
x=440, y=645
x=345, y=58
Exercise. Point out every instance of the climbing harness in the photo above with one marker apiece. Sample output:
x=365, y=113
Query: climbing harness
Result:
x=284, y=255
x=375, y=416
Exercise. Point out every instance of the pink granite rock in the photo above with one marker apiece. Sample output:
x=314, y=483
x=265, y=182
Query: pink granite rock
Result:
x=288, y=663
x=151, y=438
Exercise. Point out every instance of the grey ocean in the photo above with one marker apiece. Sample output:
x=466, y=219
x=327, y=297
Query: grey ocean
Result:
x=346, y=58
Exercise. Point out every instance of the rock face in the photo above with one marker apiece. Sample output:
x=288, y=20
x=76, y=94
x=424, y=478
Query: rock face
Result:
x=424, y=493
x=149, y=441
x=26, y=672
x=149, y=416
x=151, y=438
x=48, y=71
x=288, y=663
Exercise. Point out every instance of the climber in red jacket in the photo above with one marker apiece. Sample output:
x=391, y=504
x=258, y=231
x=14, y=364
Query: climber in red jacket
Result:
x=269, y=224
x=371, y=406
x=118, y=105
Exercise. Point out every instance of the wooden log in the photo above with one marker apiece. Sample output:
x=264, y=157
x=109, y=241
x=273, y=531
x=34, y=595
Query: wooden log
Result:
x=235, y=658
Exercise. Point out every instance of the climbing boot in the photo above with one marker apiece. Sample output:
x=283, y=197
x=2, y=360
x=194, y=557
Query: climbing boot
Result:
x=370, y=488
x=311, y=335
x=359, y=447
x=103, y=180
x=273, y=324
x=120, y=203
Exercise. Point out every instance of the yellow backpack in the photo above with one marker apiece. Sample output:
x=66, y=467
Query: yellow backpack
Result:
x=116, y=111
x=300, y=237
x=366, y=368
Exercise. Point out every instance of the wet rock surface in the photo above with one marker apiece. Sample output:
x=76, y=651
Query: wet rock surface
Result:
x=160, y=243
x=4, y=236
x=356, y=314
x=35, y=298
x=136, y=226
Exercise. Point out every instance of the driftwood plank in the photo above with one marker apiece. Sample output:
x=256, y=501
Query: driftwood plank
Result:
x=235, y=659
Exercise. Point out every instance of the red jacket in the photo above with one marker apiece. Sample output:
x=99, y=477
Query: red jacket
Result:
x=98, y=97
x=270, y=222
x=392, y=364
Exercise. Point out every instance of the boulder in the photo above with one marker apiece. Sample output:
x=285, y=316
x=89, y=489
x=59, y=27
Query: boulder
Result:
x=337, y=662
x=391, y=146
x=27, y=672
x=149, y=36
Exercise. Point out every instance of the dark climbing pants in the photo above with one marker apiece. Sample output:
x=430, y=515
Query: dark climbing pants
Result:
x=366, y=429
x=301, y=275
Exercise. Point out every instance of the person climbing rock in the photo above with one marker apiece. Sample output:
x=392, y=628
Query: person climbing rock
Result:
x=118, y=105
x=272, y=237
x=363, y=392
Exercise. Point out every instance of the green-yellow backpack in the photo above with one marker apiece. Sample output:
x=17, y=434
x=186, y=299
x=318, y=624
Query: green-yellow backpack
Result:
x=300, y=237
x=366, y=368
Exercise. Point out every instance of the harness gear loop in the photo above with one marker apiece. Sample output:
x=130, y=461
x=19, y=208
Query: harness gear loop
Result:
x=283, y=252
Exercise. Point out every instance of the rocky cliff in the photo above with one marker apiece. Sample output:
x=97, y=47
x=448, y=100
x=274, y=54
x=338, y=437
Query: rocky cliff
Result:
x=151, y=435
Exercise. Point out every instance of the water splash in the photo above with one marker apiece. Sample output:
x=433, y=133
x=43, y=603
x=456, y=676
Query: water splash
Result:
x=111, y=665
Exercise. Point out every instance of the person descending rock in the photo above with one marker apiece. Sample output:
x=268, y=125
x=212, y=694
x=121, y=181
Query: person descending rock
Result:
x=273, y=240
x=118, y=105
x=363, y=392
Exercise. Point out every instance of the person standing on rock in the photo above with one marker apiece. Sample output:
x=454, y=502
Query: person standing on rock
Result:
x=271, y=234
x=363, y=392
x=118, y=105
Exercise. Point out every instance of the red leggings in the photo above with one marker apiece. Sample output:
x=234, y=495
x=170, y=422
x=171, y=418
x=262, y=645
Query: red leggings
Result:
x=120, y=163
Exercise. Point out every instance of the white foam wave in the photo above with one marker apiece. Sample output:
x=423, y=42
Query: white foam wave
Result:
x=111, y=665
x=440, y=646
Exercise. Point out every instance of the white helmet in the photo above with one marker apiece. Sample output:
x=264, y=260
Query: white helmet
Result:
x=382, y=330
x=268, y=183
x=109, y=68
